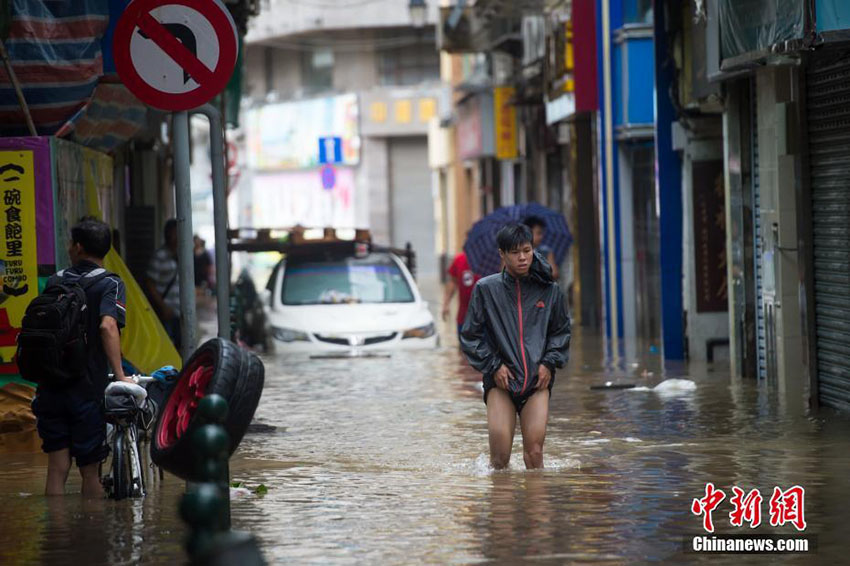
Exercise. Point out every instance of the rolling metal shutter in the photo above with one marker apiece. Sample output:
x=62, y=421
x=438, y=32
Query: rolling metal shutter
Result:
x=828, y=99
x=761, y=329
x=412, y=202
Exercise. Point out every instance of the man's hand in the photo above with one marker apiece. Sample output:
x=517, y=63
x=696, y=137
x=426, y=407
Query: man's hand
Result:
x=502, y=376
x=124, y=378
x=544, y=376
x=445, y=312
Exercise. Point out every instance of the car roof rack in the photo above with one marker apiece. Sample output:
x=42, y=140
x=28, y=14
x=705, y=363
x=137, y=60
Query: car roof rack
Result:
x=308, y=241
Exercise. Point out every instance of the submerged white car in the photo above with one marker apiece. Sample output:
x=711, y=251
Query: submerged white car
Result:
x=337, y=300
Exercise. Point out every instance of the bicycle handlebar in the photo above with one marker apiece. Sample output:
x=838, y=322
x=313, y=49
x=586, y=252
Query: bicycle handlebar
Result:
x=139, y=379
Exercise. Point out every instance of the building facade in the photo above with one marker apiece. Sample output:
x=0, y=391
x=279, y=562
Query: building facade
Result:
x=522, y=123
x=339, y=99
x=786, y=149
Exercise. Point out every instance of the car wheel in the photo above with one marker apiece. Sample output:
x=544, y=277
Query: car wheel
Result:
x=218, y=366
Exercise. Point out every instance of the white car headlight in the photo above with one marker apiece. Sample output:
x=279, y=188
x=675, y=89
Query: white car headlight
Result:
x=420, y=332
x=289, y=335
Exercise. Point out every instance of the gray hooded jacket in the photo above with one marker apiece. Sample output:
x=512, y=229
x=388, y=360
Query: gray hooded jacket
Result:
x=521, y=323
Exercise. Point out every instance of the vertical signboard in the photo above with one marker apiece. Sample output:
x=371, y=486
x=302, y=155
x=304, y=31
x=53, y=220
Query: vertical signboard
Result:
x=19, y=254
x=505, y=120
x=710, y=236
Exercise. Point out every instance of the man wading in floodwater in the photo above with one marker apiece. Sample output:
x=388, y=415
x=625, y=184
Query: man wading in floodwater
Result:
x=517, y=331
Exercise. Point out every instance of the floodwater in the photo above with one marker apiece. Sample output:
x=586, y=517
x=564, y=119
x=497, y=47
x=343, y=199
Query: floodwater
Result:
x=384, y=461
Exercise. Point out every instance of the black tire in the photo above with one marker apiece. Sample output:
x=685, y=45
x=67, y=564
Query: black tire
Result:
x=120, y=465
x=245, y=396
x=228, y=371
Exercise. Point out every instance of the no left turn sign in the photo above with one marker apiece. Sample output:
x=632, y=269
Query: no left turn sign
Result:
x=175, y=54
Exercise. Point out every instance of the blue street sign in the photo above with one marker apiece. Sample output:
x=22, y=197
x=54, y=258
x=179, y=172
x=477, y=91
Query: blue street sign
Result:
x=328, y=174
x=330, y=150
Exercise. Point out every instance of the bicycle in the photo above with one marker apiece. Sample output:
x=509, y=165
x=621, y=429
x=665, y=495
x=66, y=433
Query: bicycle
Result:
x=130, y=414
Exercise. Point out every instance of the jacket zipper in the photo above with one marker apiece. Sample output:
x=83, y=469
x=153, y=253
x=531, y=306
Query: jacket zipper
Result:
x=521, y=341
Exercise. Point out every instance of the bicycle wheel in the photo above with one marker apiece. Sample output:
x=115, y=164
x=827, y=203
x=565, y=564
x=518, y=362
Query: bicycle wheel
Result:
x=120, y=467
x=137, y=475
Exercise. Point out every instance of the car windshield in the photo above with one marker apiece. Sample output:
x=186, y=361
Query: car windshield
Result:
x=372, y=279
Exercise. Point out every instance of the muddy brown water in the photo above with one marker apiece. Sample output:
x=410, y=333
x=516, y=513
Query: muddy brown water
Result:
x=384, y=461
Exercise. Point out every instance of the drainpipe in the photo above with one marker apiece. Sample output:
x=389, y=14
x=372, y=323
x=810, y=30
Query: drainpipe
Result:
x=609, y=176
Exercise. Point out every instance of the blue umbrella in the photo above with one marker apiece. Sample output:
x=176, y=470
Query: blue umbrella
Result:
x=481, y=248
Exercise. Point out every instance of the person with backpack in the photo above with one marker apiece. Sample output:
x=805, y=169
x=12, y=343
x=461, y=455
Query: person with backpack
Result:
x=69, y=340
x=538, y=231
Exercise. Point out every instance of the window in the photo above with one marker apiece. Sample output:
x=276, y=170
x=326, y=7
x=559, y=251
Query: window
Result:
x=317, y=68
x=373, y=279
x=637, y=11
x=410, y=65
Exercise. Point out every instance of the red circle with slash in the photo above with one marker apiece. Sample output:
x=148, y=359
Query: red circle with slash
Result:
x=137, y=19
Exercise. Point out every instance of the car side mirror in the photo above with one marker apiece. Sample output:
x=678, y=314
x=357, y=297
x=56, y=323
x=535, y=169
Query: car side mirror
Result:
x=266, y=296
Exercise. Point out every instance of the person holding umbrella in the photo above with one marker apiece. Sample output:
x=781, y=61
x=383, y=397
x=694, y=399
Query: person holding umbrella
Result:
x=517, y=333
x=552, y=236
x=538, y=231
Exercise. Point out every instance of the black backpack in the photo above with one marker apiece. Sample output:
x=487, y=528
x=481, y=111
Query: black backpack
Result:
x=52, y=345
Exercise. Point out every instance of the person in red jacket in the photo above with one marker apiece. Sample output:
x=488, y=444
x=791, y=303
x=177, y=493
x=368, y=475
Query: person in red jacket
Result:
x=461, y=280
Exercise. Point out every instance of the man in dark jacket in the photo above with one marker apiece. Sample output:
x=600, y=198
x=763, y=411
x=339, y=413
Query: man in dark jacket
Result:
x=516, y=333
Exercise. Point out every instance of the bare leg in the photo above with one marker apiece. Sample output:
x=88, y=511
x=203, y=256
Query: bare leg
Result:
x=533, y=421
x=58, y=466
x=501, y=423
x=91, y=481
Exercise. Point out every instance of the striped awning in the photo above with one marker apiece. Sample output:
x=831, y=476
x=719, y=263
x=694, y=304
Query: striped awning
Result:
x=111, y=117
x=56, y=54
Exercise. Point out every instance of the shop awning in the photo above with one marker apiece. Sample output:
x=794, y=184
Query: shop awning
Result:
x=110, y=118
x=56, y=55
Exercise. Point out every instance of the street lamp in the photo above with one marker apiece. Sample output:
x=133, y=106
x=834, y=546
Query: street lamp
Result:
x=418, y=13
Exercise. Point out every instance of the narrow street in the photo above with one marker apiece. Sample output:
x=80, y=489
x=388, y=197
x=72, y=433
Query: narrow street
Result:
x=385, y=461
x=240, y=239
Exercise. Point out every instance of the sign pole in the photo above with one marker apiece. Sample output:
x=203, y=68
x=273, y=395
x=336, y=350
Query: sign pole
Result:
x=222, y=257
x=185, y=242
x=176, y=55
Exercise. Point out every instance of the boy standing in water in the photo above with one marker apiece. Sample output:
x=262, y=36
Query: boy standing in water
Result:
x=516, y=333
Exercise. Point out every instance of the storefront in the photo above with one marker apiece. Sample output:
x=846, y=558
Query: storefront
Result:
x=47, y=186
x=787, y=150
x=828, y=100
